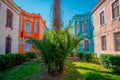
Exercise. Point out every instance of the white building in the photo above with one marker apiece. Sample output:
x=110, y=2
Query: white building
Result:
x=9, y=26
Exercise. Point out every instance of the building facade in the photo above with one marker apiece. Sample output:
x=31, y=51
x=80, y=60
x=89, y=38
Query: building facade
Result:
x=9, y=25
x=83, y=26
x=31, y=26
x=16, y=26
x=107, y=26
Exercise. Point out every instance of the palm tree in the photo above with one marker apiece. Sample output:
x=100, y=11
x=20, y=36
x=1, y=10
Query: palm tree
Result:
x=55, y=48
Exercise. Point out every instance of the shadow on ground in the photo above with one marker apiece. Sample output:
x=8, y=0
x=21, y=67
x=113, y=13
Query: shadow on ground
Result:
x=70, y=73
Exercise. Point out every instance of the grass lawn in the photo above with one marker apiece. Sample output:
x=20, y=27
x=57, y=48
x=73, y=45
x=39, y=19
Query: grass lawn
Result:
x=73, y=71
x=19, y=72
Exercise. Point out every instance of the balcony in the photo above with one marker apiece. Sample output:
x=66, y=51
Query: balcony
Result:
x=86, y=34
x=26, y=34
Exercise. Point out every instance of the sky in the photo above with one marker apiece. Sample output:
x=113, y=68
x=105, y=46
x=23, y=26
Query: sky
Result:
x=69, y=8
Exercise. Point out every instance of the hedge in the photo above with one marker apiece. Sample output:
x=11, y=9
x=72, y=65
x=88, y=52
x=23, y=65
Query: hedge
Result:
x=111, y=61
x=10, y=60
x=88, y=57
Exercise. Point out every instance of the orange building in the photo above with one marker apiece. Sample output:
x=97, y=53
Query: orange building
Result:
x=30, y=26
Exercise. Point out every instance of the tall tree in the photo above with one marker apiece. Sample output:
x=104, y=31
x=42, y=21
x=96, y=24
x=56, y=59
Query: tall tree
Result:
x=56, y=15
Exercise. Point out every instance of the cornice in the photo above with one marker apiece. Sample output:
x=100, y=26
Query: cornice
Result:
x=12, y=5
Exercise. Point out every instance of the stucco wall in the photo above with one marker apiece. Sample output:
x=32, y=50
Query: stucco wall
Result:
x=4, y=32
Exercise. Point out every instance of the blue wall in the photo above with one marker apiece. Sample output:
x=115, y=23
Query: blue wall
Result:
x=81, y=19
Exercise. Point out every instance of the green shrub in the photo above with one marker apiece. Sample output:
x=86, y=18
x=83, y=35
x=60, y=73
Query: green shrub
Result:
x=20, y=58
x=1, y=76
x=111, y=61
x=88, y=57
x=30, y=55
x=104, y=60
x=9, y=60
x=2, y=64
x=81, y=56
x=95, y=76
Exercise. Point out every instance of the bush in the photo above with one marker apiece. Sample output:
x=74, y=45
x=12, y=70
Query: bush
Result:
x=104, y=60
x=111, y=61
x=1, y=76
x=2, y=64
x=9, y=60
x=30, y=55
x=88, y=57
x=20, y=58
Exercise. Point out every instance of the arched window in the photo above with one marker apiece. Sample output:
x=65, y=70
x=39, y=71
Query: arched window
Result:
x=86, y=45
x=78, y=27
x=85, y=27
x=26, y=47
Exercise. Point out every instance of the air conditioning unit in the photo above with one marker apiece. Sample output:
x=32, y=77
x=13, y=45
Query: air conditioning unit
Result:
x=118, y=18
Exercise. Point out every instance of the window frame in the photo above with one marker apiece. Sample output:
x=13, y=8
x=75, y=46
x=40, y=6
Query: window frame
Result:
x=86, y=44
x=77, y=27
x=115, y=45
x=0, y=4
x=111, y=9
x=103, y=43
x=10, y=13
x=30, y=30
x=84, y=27
x=35, y=28
x=8, y=47
x=28, y=46
x=100, y=18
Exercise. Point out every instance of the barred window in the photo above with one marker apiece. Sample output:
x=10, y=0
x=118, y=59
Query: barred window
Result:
x=117, y=41
x=115, y=9
x=9, y=19
x=0, y=5
x=102, y=18
x=103, y=43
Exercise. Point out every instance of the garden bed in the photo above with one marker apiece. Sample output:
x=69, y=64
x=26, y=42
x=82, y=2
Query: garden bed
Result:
x=73, y=71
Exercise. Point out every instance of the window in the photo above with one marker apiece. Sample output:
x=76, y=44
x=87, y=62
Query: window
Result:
x=102, y=18
x=26, y=47
x=9, y=19
x=117, y=41
x=78, y=27
x=103, y=42
x=0, y=5
x=8, y=45
x=86, y=45
x=115, y=9
x=27, y=27
x=21, y=25
x=85, y=27
x=20, y=42
x=36, y=28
